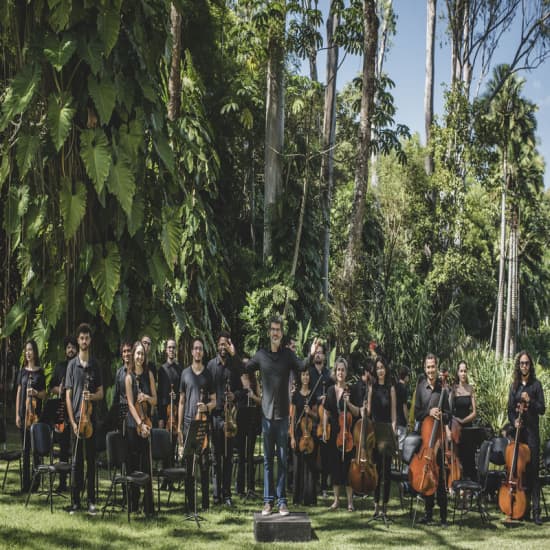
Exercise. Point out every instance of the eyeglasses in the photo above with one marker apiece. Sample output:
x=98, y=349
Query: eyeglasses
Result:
x=524, y=363
x=197, y=349
x=170, y=347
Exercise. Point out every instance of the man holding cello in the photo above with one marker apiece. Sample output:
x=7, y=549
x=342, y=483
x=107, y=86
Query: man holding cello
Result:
x=431, y=409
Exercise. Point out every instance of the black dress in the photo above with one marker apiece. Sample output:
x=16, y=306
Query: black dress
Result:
x=339, y=465
x=381, y=413
x=303, y=464
x=462, y=407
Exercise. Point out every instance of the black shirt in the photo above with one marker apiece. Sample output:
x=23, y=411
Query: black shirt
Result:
x=275, y=369
x=428, y=398
x=401, y=396
x=191, y=385
x=325, y=376
x=222, y=374
x=381, y=403
x=35, y=380
x=120, y=386
x=169, y=375
x=76, y=379
x=139, y=383
x=58, y=375
x=299, y=401
x=530, y=426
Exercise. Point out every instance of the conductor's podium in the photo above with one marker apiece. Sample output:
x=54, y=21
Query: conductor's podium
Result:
x=294, y=527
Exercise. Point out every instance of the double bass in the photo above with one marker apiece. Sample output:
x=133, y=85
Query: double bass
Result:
x=512, y=499
x=423, y=469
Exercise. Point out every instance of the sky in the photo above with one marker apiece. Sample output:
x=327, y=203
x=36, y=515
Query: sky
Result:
x=405, y=65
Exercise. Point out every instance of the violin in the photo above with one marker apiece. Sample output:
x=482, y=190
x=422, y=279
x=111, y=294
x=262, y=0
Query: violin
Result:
x=172, y=414
x=512, y=499
x=306, y=444
x=203, y=416
x=452, y=462
x=363, y=475
x=31, y=403
x=59, y=426
x=323, y=428
x=344, y=440
x=230, y=416
x=143, y=412
x=85, y=427
x=423, y=469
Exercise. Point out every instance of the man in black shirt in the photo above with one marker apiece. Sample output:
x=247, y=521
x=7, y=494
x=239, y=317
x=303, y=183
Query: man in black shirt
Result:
x=225, y=369
x=82, y=372
x=57, y=387
x=427, y=403
x=196, y=395
x=526, y=390
x=275, y=366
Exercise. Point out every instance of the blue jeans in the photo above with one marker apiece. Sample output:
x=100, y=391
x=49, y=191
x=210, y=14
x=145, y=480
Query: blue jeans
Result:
x=275, y=433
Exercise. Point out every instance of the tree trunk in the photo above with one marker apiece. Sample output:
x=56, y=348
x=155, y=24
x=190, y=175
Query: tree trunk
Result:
x=174, y=82
x=507, y=331
x=274, y=131
x=429, y=83
x=327, y=141
x=354, y=247
x=514, y=233
x=502, y=262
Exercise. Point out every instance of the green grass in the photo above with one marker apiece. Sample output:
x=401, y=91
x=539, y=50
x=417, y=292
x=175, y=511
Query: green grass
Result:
x=34, y=528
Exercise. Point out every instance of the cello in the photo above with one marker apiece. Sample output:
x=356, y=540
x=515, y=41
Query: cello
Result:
x=423, y=469
x=512, y=499
x=363, y=475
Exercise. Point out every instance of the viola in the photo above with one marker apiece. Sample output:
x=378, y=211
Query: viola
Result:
x=172, y=414
x=423, y=469
x=59, y=426
x=512, y=499
x=306, y=444
x=85, y=427
x=230, y=416
x=363, y=475
x=31, y=404
x=323, y=428
x=143, y=412
x=344, y=440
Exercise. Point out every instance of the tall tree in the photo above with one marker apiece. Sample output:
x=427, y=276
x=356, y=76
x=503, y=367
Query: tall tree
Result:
x=429, y=82
x=174, y=82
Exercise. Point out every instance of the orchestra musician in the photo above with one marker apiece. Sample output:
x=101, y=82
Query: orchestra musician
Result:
x=141, y=396
x=382, y=407
x=338, y=400
x=31, y=391
x=119, y=410
x=428, y=394
x=527, y=389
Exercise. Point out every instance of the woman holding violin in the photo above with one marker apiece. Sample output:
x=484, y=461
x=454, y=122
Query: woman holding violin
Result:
x=341, y=411
x=382, y=407
x=31, y=391
x=526, y=394
x=141, y=396
x=303, y=413
x=463, y=408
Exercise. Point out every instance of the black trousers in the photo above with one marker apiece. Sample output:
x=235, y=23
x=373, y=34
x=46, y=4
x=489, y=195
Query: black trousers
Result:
x=222, y=459
x=532, y=479
x=245, y=443
x=26, y=445
x=383, y=466
x=64, y=441
x=83, y=447
x=138, y=461
x=441, y=494
x=202, y=463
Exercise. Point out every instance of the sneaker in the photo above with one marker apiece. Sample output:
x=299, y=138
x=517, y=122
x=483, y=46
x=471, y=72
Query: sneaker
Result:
x=324, y=494
x=268, y=509
x=92, y=510
x=426, y=520
x=228, y=502
x=76, y=507
x=537, y=519
x=283, y=510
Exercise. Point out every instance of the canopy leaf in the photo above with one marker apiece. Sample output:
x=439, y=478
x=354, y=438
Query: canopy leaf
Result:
x=54, y=298
x=20, y=93
x=15, y=318
x=171, y=235
x=121, y=183
x=104, y=96
x=108, y=24
x=94, y=151
x=27, y=147
x=60, y=116
x=73, y=207
x=58, y=52
x=105, y=273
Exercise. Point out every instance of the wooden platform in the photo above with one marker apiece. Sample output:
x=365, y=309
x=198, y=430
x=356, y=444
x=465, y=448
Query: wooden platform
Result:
x=294, y=527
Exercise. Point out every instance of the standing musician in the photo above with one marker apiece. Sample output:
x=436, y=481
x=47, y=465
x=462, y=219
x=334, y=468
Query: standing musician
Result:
x=275, y=365
x=57, y=387
x=337, y=396
x=195, y=380
x=119, y=409
x=141, y=396
x=169, y=377
x=463, y=408
x=428, y=393
x=82, y=372
x=527, y=389
x=382, y=407
x=31, y=390
x=303, y=409
x=225, y=370
x=248, y=428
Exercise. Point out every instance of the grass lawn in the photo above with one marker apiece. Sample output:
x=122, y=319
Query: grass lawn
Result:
x=34, y=528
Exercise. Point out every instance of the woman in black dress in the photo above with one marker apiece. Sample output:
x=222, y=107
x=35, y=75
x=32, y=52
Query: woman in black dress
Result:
x=337, y=395
x=382, y=408
x=463, y=406
x=304, y=406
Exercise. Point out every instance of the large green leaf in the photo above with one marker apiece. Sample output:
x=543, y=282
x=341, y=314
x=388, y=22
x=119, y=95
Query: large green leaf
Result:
x=108, y=24
x=20, y=93
x=60, y=12
x=15, y=318
x=164, y=150
x=15, y=207
x=171, y=235
x=104, y=96
x=73, y=207
x=27, y=147
x=54, y=297
x=159, y=271
x=121, y=183
x=59, y=52
x=4, y=169
x=135, y=219
x=105, y=273
x=121, y=305
x=131, y=138
x=92, y=52
x=60, y=116
x=94, y=150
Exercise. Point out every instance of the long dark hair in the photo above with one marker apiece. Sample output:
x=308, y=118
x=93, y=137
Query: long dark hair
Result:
x=34, y=352
x=517, y=371
x=387, y=376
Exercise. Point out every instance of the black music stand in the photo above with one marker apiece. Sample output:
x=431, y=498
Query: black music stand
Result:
x=386, y=447
x=193, y=446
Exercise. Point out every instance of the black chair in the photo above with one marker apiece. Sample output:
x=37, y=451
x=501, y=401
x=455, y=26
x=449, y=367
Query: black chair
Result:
x=544, y=473
x=495, y=476
x=116, y=460
x=42, y=446
x=9, y=456
x=162, y=451
x=466, y=490
x=411, y=445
